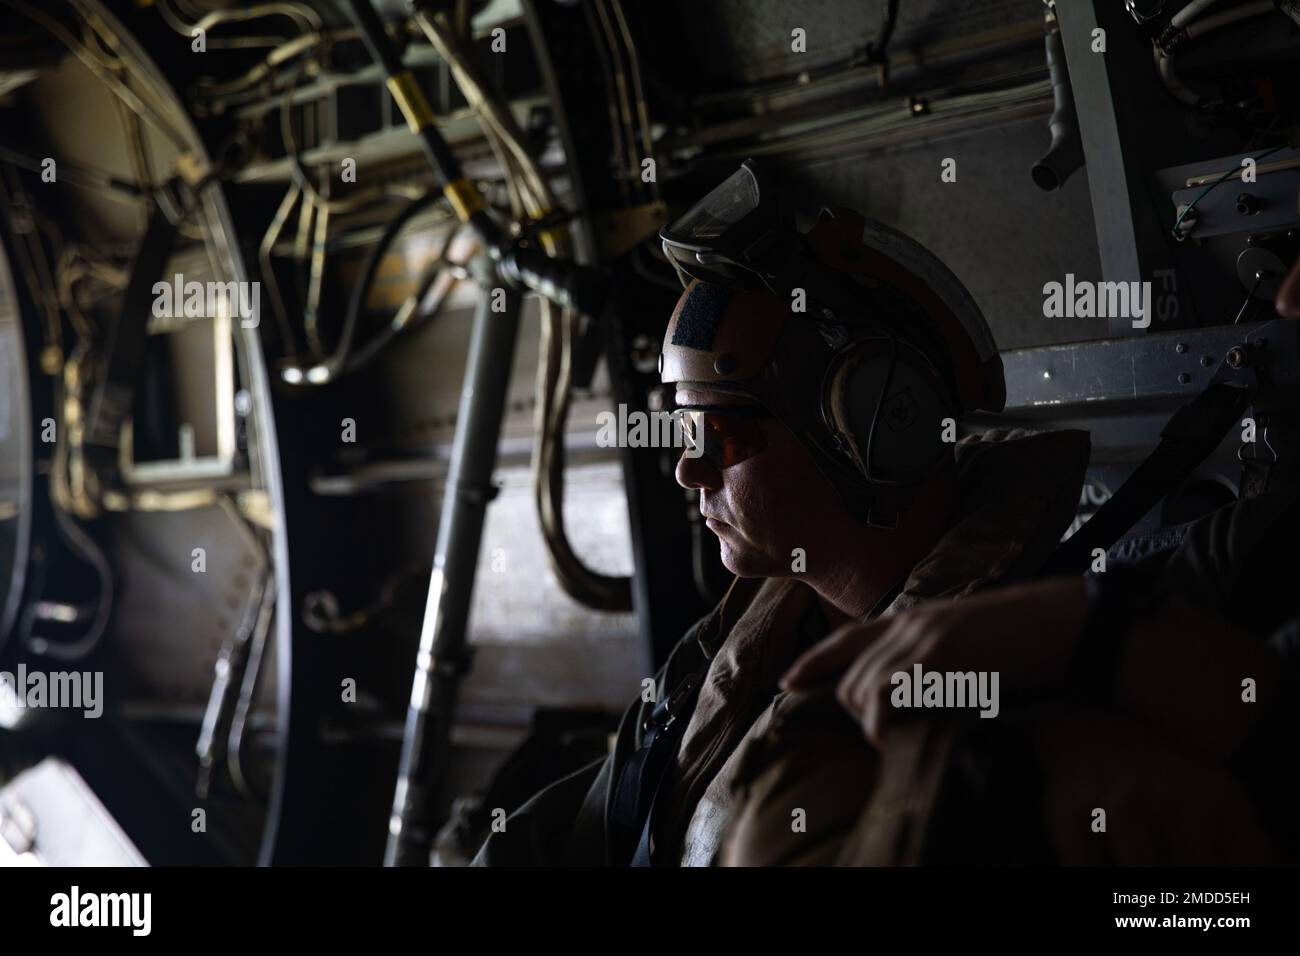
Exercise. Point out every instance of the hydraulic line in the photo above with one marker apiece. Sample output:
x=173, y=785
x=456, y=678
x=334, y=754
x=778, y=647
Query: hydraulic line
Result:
x=564, y=282
x=555, y=369
x=329, y=368
x=1187, y=25
x=443, y=654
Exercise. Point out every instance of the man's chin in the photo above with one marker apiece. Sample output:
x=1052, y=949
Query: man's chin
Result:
x=743, y=561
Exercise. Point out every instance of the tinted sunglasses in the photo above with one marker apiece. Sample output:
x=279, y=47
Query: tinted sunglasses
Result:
x=726, y=435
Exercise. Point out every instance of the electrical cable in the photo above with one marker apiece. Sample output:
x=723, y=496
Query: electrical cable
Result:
x=288, y=344
x=1206, y=191
x=247, y=689
x=316, y=276
x=328, y=369
x=137, y=158
x=638, y=90
x=878, y=48
x=620, y=89
x=1184, y=27
x=554, y=384
x=301, y=176
x=96, y=67
x=1250, y=299
x=414, y=313
x=85, y=177
x=303, y=16
x=277, y=57
x=155, y=98
x=302, y=243
x=14, y=202
x=555, y=369
x=469, y=80
x=82, y=544
x=293, y=153
x=98, y=47
x=252, y=648
x=618, y=125
x=74, y=264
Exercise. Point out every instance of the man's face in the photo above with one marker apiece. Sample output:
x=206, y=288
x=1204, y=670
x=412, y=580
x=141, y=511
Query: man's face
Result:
x=765, y=506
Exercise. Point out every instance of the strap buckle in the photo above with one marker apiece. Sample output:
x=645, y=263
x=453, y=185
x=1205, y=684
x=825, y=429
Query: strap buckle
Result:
x=671, y=707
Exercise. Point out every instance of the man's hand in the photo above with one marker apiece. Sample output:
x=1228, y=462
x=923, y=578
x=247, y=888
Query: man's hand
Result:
x=1027, y=633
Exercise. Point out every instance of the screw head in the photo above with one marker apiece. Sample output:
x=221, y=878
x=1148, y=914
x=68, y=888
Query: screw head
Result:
x=1237, y=357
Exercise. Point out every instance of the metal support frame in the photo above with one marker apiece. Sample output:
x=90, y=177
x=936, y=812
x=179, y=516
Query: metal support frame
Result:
x=17, y=474
x=1123, y=391
x=444, y=653
x=1110, y=92
x=108, y=749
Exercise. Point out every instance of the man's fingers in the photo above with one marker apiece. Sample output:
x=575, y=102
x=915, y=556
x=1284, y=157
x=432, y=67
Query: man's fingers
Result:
x=879, y=715
x=862, y=690
x=832, y=656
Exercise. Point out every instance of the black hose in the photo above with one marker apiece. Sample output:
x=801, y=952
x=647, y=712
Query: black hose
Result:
x=1065, y=155
x=367, y=353
x=888, y=20
x=361, y=289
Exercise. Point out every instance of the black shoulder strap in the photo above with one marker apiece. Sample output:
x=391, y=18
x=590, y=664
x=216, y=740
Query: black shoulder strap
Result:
x=642, y=776
x=1187, y=439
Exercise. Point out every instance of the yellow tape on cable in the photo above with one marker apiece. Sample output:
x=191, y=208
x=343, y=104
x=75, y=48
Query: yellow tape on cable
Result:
x=464, y=198
x=411, y=100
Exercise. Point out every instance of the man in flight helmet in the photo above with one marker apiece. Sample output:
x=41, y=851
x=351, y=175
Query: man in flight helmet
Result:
x=822, y=379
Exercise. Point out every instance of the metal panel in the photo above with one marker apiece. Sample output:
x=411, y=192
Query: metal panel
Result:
x=15, y=453
x=1112, y=92
x=1172, y=366
x=50, y=817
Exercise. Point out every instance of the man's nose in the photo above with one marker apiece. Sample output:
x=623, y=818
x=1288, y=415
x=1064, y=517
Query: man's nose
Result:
x=1288, y=297
x=698, y=472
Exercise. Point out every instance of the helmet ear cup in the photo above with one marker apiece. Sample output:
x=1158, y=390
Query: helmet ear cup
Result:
x=904, y=443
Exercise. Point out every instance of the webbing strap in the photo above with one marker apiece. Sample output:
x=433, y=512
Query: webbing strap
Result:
x=1187, y=439
x=645, y=771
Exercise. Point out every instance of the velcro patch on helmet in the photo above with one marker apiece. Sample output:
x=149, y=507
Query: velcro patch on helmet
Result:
x=697, y=323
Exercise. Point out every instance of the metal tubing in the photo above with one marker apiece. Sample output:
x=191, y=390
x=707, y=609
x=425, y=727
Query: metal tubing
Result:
x=443, y=656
